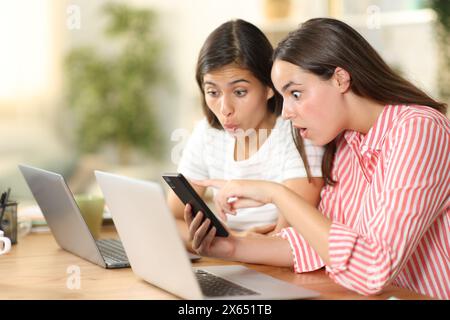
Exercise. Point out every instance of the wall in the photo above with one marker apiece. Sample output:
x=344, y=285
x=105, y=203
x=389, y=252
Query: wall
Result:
x=33, y=126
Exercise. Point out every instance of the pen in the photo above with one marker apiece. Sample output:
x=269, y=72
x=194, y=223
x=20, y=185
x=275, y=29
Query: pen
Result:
x=3, y=203
x=2, y=199
x=7, y=197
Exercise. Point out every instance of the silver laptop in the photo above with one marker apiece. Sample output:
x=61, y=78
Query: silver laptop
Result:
x=66, y=222
x=156, y=252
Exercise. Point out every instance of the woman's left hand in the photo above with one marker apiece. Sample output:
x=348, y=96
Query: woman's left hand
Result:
x=236, y=194
x=260, y=231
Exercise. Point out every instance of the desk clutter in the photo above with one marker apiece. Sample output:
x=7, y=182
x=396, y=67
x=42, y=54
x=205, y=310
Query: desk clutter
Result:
x=8, y=216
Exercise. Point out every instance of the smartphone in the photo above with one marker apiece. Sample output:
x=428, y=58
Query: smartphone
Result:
x=187, y=194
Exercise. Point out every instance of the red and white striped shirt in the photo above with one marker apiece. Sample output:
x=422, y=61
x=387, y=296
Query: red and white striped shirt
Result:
x=390, y=206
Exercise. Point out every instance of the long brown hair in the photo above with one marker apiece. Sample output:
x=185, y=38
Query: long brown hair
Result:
x=322, y=44
x=241, y=43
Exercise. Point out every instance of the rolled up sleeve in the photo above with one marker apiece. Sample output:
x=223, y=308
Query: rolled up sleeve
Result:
x=305, y=258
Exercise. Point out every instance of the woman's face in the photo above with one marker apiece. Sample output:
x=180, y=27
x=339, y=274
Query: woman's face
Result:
x=237, y=98
x=313, y=105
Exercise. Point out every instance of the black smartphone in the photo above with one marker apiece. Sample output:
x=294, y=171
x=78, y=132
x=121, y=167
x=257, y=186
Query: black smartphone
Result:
x=187, y=194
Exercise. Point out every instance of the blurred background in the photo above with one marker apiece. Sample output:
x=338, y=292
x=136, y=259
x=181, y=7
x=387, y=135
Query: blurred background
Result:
x=110, y=85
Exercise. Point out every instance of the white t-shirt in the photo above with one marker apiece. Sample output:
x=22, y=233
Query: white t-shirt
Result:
x=209, y=154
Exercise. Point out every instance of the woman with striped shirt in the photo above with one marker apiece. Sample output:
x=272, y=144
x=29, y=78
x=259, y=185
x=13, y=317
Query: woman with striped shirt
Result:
x=384, y=215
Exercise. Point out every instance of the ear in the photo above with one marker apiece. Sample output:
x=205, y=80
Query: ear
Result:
x=270, y=93
x=342, y=79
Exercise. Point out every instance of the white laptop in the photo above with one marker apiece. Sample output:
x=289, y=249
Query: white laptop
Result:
x=156, y=252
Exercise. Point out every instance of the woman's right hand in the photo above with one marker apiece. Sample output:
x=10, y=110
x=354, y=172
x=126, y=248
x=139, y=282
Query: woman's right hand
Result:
x=205, y=242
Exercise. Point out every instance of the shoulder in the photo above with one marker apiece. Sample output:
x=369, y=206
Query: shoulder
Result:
x=420, y=121
x=202, y=125
x=414, y=112
x=283, y=126
x=283, y=132
x=420, y=130
x=203, y=129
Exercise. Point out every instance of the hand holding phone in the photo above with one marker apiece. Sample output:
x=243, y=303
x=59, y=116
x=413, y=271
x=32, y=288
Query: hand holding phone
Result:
x=187, y=194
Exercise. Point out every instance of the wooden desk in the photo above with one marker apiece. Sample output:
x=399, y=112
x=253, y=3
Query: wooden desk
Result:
x=36, y=268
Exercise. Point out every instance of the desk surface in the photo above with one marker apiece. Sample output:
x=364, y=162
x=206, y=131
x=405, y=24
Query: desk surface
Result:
x=36, y=268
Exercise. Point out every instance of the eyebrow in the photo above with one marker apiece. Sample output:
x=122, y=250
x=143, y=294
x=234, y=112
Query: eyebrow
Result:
x=287, y=85
x=239, y=80
x=231, y=83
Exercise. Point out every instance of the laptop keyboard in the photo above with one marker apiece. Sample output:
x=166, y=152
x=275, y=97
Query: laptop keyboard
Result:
x=112, y=251
x=213, y=286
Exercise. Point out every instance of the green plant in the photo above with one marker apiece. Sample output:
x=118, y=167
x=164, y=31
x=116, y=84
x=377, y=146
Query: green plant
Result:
x=111, y=95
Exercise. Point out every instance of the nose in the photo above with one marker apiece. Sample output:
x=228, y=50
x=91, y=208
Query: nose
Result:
x=226, y=107
x=287, y=112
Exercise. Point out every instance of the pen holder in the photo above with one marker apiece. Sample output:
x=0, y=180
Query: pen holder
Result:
x=9, y=222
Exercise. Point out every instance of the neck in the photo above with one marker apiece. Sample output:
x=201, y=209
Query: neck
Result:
x=268, y=122
x=244, y=149
x=362, y=113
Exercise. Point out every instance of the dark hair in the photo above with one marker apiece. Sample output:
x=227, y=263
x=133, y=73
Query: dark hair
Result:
x=322, y=44
x=241, y=43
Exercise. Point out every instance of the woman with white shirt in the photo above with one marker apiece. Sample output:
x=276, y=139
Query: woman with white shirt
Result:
x=243, y=135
